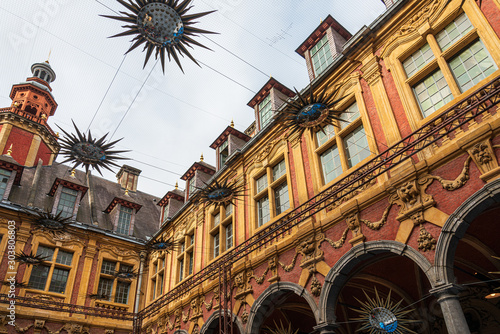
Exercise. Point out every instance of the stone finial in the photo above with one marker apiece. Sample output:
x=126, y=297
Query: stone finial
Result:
x=73, y=172
x=126, y=192
x=232, y=123
x=9, y=151
x=176, y=185
x=201, y=158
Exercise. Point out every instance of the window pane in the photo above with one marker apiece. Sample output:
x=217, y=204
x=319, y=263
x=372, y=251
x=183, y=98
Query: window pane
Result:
x=281, y=198
x=349, y=115
x=181, y=270
x=472, y=65
x=191, y=186
x=454, y=31
x=229, y=236
x=327, y=133
x=46, y=252
x=191, y=263
x=105, y=287
x=124, y=218
x=4, y=179
x=321, y=55
x=265, y=111
x=59, y=279
x=217, y=219
x=330, y=163
x=263, y=210
x=356, y=146
x=229, y=210
x=279, y=170
x=67, y=202
x=121, y=295
x=108, y=267
x=418, y=59
x=261, y=183
x=64, y=257
x=39, y=277
x=216, y=245
x=432, y=93
x=160, y=285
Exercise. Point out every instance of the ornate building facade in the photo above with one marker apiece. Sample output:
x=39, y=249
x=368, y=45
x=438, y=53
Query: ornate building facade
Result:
x=383, y=220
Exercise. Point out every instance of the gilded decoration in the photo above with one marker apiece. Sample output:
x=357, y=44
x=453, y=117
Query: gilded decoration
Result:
x=244, y=316
x=196, y=329
x=315, y=287
x=426, y=241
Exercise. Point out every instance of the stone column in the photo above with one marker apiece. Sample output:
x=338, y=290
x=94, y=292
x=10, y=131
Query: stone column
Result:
x=453, y=314
x=325, y=328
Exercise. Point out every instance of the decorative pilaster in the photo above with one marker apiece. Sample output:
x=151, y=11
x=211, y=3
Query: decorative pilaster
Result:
x=453, y=314
x=372, y=74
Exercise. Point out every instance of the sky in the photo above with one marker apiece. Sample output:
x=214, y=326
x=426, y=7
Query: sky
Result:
x=175, y=116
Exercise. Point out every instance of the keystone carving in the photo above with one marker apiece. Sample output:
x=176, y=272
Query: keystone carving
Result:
x=196, y=308
x=240, y=283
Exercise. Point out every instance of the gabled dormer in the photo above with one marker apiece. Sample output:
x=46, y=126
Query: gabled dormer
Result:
x=229, y=141
x=197, y=176
x=323, y=45
x=122, y=213
x=170, y=204
x=67, y=193
x=270, y=97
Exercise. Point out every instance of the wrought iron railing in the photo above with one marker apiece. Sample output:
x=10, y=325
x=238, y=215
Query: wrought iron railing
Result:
x=431, y=133
x=44, y=304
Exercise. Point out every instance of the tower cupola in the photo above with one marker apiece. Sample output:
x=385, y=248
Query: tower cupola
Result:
x=43, y=71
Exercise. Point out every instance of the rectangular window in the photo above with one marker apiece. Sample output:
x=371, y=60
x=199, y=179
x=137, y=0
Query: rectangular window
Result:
x=181, y=269
x=121, y=294
x=217, y=219
x=321, y=55
x=223, y=153
x=263, y=210
x=4, y=179
x=418, y=59
x=124, y=220
x=356, y=146
x=108, y=267
x=454, y=31
x=323, y=135
x=192, y=188
x=279, y=170
x=105, y=287
x=281, y=198
x=330, y=164
x=191, y=263
x=229, y=236
x=472, y=65
x=160, y=284
x=216, y=244
x=229, y=210
x=59, y=279
x=57, y=267
x=265, y=111
x=261, y=183
x=432, y=93
x=67, y=202
x=349, y=115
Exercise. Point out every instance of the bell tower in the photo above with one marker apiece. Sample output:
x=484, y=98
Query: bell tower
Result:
x=24, y=124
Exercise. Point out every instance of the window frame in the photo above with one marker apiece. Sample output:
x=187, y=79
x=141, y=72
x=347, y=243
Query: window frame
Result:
x=269, y=189
x=131, y=221
x=112, y=298
x=57, y=200
x=312, y=55
x=225, y=219
x=261, y=106
x=8, y=184
x=186, y=248
x=481, y=30
x=157, y=271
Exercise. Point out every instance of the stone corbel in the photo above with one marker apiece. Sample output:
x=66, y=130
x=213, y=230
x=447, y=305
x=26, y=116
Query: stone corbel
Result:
x=371, y=70
x=38, y=326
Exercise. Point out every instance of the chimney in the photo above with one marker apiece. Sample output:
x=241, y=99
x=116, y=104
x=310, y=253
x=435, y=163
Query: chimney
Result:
x=127, y=177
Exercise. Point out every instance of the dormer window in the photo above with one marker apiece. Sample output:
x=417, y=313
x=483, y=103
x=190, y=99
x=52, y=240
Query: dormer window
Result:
x=265, y=111
x=67, y=201
x=321, y=55
x=124, y=220
x=192, y=188
x=223, y=154
x=4, y=181
x=122, y=214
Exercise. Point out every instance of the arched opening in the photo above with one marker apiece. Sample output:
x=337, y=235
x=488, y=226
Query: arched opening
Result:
x=30, y=110
x=37, y=72
x=48, y=78
x=283, y=304
x=466, y=254
x=363, y=289
x=212, y=325
x=43, y=75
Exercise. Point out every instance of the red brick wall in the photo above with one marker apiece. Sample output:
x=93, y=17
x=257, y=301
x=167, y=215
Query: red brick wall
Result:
x=21, y=141
x=43, y=153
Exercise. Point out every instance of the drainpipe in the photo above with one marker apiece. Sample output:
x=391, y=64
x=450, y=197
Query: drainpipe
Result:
x=139, y=282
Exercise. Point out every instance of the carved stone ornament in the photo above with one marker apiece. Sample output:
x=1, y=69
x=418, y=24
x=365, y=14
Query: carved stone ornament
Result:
x=485, y=159
x=196, y=329
x=242, y=286
x=244, y=316
x=315, y=287
x=426, y=241
x=109, y=331
x=195, y=306
x=39, y=324
x=118, y=251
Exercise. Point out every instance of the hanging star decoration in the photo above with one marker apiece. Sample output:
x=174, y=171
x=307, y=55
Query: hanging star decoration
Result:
x=126, y=273
x=383, y=316
x=83, y=149
x=16, y=283
x=309, y=112
x=49, y=221
x=164, y=244
x=30, y=259
x=221, y=193
x=163, y=26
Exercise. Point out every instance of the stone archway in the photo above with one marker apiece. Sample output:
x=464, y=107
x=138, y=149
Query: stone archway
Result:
x=212, y=323
x=264, y=305
x=181, y=331
x=457, y=224
x=339, y=274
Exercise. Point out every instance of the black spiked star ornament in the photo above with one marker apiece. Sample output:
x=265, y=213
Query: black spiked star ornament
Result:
x=83, y=149
x=163, y=244
x=30, y=259
x=309, y=112
x=162, y=26
x=381, y=316
x=49, y=221
x=128, y=273
x=221, y=193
